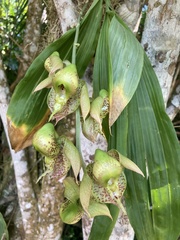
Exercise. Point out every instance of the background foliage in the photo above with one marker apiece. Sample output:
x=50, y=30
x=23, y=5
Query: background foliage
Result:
x=12, y=26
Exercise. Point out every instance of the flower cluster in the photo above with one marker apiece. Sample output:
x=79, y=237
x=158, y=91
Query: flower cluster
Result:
x=104, y=180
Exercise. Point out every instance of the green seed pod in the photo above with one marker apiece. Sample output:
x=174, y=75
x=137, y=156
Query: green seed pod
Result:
x=66, y=80
x=53, y=63
x=105, y=168
x=70, y=213
x=45, y=141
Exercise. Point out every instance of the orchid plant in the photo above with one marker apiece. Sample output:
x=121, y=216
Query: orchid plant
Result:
x=104, y=180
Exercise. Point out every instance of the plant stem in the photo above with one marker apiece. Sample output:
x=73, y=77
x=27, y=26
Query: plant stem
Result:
x=75, y=44
x=78, y=122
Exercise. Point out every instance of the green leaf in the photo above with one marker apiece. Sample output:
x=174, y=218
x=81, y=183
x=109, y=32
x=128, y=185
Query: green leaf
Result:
x=161, y=152
x=103, y=225
x=145, y=134
x=88, y=36
x=22, y=114
x=28, y=111
x=152, y=144
x=126, y=59
x=100, y=71
x=3, y=229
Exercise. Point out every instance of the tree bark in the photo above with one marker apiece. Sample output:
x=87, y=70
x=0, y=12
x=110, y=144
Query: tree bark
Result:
x=31, y=38
x=51, y=196
x=40, y=219
x=161, y=41
x=130, y=11
x=26, y=197
x=67, y=14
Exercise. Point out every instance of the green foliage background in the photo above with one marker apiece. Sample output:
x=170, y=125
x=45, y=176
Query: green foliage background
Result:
x=12, y=26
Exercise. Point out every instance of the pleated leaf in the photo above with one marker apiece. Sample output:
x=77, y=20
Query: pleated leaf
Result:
x=160, y=152
x=144, y=134
x=28, y=111
x=103, y=225
x=3, y=229
x=126, y=59
x=100, y=72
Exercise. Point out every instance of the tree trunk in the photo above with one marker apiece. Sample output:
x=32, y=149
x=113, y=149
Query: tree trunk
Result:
x=40, y=217
x=31, y=39
x=161, y=41
x=26, y=195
